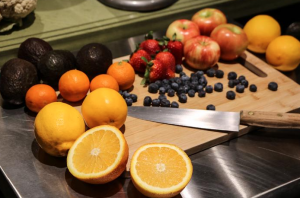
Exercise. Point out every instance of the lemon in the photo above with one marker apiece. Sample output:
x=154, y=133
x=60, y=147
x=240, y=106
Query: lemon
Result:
x=57, y=126
x=261, y=30
x=284, y=53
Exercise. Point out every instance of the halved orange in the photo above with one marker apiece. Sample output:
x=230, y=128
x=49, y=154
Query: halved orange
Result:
x=160, y=170
x=99, y=155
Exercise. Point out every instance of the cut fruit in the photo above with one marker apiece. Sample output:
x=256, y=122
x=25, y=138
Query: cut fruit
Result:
x=160, y=170
x=99, y=155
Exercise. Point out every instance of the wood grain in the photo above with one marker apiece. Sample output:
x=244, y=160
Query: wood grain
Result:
x=286, y=98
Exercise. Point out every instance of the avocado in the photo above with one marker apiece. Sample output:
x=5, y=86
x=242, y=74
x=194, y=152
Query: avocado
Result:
x=294, y=30
x=54, y=64
x=94, y=59
x=32, y=49
x=17, y=76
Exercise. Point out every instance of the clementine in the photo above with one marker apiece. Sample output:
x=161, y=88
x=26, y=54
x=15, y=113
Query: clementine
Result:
x=124, y=73
x=39, y=96
x=104, y=80
x=74, y=85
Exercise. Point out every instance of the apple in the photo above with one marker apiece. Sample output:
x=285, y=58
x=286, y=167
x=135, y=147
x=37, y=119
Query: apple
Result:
x=201, y=52
x=232, y=40
x=184, y=30
x=207, y=19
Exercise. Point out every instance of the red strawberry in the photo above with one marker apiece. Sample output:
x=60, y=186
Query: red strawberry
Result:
x=151, y=46
x=138, y=64
x=168, y=61
x=154, y=71
x=176, y=48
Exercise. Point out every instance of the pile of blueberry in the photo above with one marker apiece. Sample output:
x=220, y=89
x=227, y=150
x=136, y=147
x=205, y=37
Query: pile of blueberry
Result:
x=129, y=97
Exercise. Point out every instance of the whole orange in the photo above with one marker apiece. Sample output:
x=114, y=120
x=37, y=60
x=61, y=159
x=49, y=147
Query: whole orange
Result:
x=104, y=80
x=39, y=96
x=104, y=106
x=73, y=85
x=124, y=73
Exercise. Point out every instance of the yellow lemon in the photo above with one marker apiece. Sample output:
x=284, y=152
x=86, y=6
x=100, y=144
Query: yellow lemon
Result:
x=104, y=106
x=261, y=30
x=284, y=53
x=57, y=126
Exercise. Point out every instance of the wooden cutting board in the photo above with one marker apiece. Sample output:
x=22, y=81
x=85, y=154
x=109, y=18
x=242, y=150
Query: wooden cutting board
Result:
x=139, y=132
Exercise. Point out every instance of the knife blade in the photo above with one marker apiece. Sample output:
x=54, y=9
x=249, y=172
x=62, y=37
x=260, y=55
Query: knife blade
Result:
x=215, y=120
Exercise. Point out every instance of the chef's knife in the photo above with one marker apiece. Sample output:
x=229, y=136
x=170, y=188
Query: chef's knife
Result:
x=215, y=120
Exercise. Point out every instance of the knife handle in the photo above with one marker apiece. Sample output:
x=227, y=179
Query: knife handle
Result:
x=270, y=119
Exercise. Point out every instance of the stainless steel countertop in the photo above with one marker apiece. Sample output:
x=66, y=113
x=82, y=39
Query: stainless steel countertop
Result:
x=263, y=163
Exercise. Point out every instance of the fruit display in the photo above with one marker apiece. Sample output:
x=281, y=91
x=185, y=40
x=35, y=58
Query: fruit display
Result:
x=207, y=19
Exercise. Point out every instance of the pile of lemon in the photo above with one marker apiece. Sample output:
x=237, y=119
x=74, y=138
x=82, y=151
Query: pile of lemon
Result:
x=264, y=35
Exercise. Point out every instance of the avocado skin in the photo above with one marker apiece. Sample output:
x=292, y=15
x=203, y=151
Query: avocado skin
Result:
x=94, y=59
x=54, y=64
x=32, y=49
x=17, y=76
x=294, y=30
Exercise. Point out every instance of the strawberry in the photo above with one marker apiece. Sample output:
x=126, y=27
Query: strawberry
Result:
x=154, y=71
x=176, y=48
x=168, y=61
x=138, y=64
x=150, y=45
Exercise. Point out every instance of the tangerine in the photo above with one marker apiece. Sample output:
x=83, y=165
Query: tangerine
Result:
x=123, y=72
x=74, y=85
x=104, y=80
x=39, y=96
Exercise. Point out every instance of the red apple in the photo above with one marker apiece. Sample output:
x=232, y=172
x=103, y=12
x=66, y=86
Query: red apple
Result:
x=232, y=40
x=209, y=18
x=201, y=52
x=184, y=29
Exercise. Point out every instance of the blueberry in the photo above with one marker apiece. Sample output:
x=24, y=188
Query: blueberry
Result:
x=167, y=87
x=203, y=81
x=191, y=93
x=210, y=72
x=185, y=78
x=199, y=73
x=182, y=98
x=128, y=101
x=201, y=93
x=232, y=75
x=175, y=86
x=162, y=90
x=178, y=81
x=199, y=87
x=193, y=85
x=230, y=95
x=180, y=90
x=147, y=101
x=219, y=73
x=186, y=88
x=174, y=104
x=236, y=82
x=209, y=89
x=231, y=83
x=161, y=96
x=193, y=75
x=171, y=92
x=182, y=74
x=155, y=102
x=126, y=94
x=153, y=88
x=133, y=97
x=210, y=107
x=158, y=82
x=245, y=83
x=240, y=78
x=165, y=81
x=218, y=87
x=240, y=88
x=165, y=103
x=273, y=86
x=253, y=88
x=178, y=68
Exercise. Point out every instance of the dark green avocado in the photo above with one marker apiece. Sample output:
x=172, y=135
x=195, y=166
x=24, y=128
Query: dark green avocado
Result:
x=32, y=49
x=94, y=59
x=294, y=30
x=54, y=64
x=17, y=76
